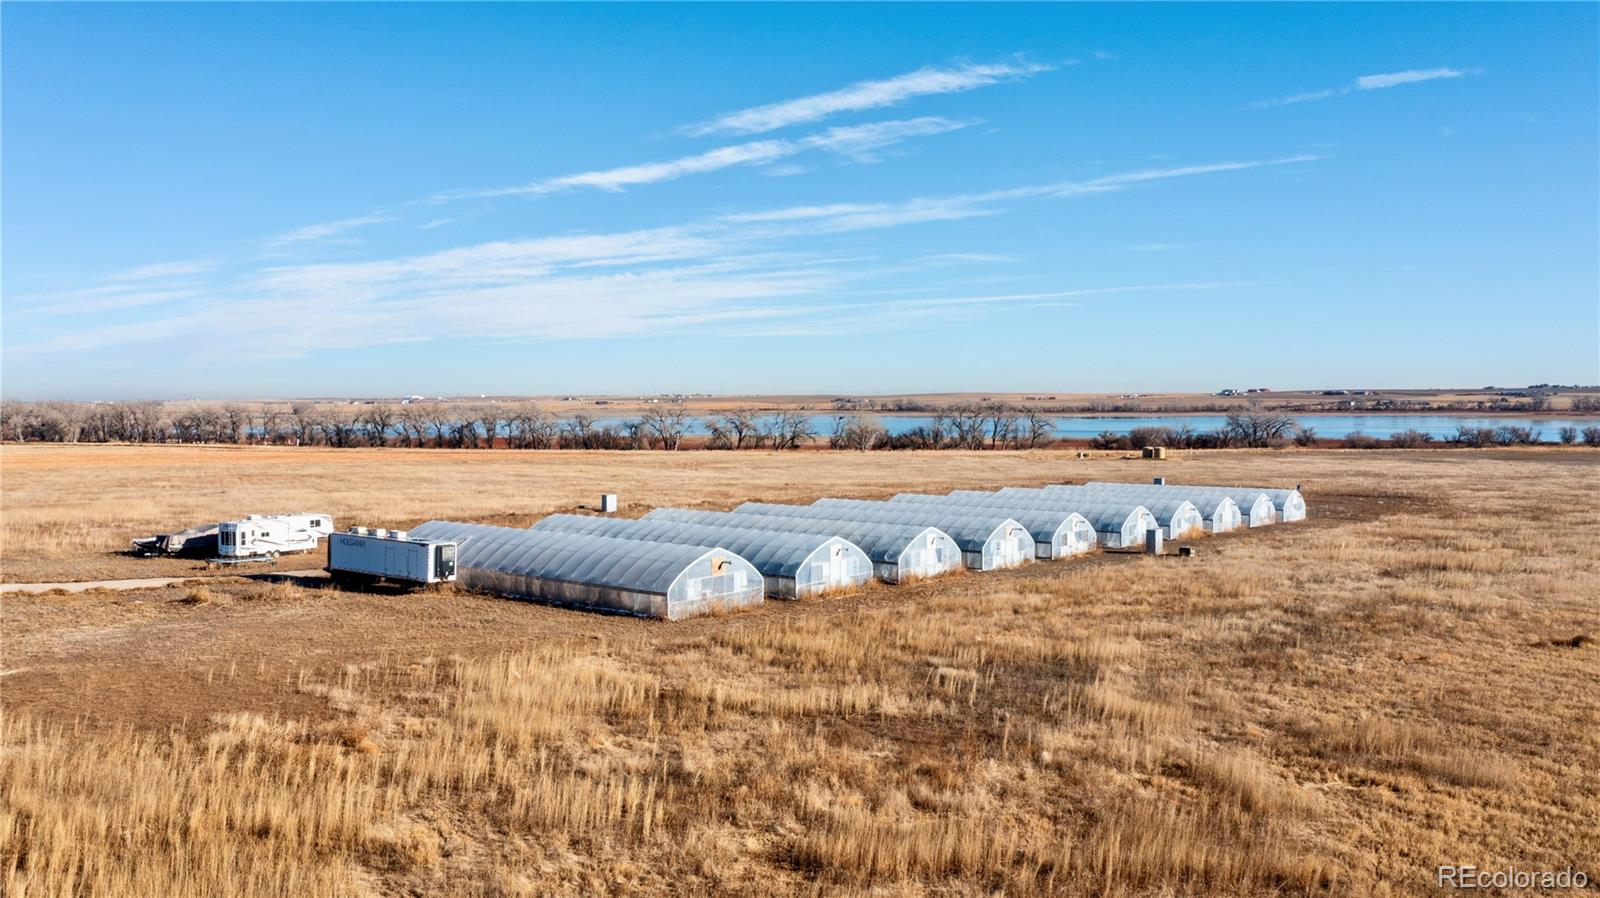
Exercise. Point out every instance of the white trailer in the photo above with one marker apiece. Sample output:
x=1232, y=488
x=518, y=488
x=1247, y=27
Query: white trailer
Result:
x=367, y=555
x=272, y=534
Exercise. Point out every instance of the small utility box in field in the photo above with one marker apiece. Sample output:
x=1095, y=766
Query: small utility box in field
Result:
x=608, y=503
x=369, y=555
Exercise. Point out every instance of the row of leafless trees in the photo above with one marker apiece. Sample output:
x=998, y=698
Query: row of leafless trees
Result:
x=1252, y=427
x=527, y=425
x=987, y=425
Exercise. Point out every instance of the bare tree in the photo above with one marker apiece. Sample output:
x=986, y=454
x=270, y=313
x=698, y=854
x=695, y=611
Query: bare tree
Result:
x=1037, y=429
x=303, y=415
x=438, y=420
x=376, y=422
x=1257, y=427
x=148, y=422
x=489, y=418
x=339, y=426
x=666, y=424
x=236, y=421
x=529, y=426
x=968, y=420
x=742, y=427
x=413, y=423
x=787, y=430
x=11, y=416
x=271, y=423
x=1002, y=425
x=858, y=432
x=577, y=431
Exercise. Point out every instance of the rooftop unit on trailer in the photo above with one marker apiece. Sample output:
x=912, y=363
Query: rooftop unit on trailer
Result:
x=899, y=553
x=272, y=534
x=794, y=565
x=1118, y=524
x=1056, y=534
x=988, y=541
x=651, y=579
x=366, y=555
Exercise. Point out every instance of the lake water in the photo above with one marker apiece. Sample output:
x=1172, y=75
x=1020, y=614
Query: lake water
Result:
x=1326, y=426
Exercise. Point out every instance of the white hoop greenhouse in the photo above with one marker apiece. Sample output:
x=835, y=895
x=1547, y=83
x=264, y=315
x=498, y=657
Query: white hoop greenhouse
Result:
x=1056, y=534
x=899, y=553
x=1177, y=517
x=653, y=579
x=1219, y=512
x=988, y=541
x=1118, y=524
x=794, y=565
x=1280, y=506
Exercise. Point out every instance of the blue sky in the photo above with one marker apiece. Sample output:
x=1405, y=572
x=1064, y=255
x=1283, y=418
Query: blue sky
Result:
x=270, y=200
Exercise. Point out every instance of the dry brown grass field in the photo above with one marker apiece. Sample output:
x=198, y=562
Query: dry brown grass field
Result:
x=1331, y=707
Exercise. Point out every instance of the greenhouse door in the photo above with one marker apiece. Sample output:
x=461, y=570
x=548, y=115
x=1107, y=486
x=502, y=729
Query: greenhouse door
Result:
x=838, y=570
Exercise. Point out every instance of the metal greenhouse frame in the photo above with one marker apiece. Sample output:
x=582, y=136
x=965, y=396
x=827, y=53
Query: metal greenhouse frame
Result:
x=1119, y=524
x=988, y=541
x=899, y=553
x=794, y=565
x=665, y=580
x=1056, y=534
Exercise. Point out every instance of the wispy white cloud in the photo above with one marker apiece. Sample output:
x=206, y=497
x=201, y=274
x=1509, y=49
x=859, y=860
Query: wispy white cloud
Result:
x=962, y=258
x=732, y=274
x=328, y=229
x=435, y=223
x=106, y=298
x=1409, y=76
x=164, y=270
x=1292, y=99
x=856, y=142
x=1365, y=82
x=865, y=95
x=836, y=217
x=886, y=314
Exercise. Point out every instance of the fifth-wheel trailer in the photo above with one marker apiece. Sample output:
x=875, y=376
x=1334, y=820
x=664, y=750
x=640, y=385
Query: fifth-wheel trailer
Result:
x=272, y=534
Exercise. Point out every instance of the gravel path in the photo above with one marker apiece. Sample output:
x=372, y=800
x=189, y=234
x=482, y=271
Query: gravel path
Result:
x=144, y=583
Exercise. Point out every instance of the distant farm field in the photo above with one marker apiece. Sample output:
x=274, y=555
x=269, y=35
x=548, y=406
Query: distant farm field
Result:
x=1408, y=679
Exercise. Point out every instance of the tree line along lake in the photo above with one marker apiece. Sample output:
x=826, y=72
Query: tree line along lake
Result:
x=1082, y=427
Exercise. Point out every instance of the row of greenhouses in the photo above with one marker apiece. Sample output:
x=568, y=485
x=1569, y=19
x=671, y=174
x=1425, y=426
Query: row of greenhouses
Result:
x=677, y=563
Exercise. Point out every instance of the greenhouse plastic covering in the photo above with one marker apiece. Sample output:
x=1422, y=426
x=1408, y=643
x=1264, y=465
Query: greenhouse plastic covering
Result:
x=795, y=564
x=898, y=552
x=1056, y=534
x=988, y=540
x=657, y=579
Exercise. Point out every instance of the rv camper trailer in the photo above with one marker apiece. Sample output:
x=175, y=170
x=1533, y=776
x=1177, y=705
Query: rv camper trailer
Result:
x=272, y=534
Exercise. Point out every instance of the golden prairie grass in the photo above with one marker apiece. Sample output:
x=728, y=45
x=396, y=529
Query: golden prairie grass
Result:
x=1315, y=709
